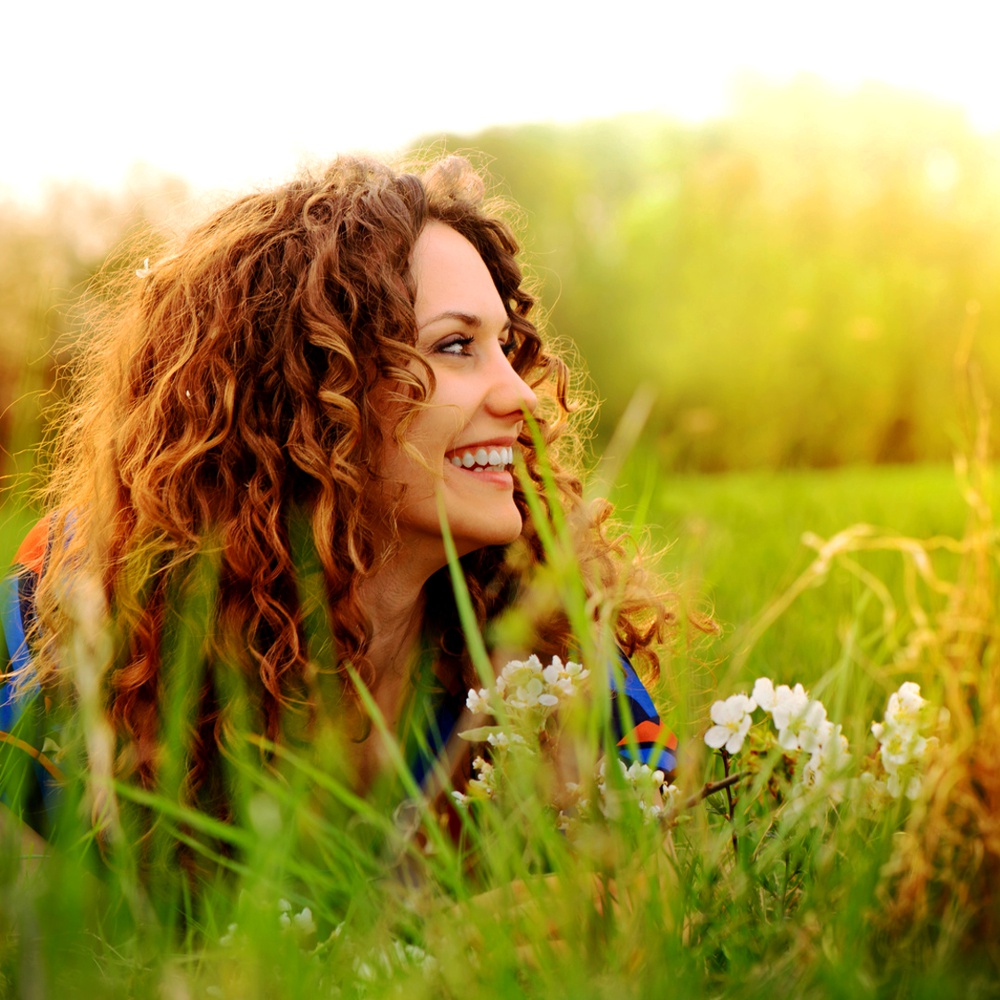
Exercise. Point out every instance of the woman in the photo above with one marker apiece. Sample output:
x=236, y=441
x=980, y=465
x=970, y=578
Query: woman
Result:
x=326, y=368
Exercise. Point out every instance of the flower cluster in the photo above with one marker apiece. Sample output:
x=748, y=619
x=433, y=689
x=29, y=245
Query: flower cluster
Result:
x=902, y=744
x=650, y=788
x=801, y=726
x=385, y=963
x=644, y=786
x=301, y=924
x=523, y=700
x=527, y=694
x=800, y=721
x=483, y=785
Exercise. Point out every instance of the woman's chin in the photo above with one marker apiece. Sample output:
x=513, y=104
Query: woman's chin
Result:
x=499, y=530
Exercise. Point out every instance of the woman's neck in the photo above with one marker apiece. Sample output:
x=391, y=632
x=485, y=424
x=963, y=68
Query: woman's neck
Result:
x=396, y=612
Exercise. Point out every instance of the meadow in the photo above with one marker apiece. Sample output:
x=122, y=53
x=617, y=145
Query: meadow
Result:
x=316, y=893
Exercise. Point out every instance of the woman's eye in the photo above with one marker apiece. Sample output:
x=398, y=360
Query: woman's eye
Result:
x=458, y=346
x=509, y=346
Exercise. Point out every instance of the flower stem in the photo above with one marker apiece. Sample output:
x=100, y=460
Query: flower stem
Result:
x=729, y=799
x=714, y=786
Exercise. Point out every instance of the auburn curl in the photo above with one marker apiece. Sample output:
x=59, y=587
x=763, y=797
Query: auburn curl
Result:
x=227, y=395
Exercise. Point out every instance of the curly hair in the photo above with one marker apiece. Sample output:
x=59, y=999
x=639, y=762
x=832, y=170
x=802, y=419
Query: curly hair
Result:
x=229, y=392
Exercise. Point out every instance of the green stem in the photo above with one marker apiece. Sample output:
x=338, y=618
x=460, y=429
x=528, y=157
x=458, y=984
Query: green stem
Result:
x=729, y=799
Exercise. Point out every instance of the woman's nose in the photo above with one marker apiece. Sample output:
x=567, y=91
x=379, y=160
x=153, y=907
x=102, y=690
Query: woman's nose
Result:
x=510, y=393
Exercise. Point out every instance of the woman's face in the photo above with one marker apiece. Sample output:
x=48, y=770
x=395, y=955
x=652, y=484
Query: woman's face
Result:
x=468, y=430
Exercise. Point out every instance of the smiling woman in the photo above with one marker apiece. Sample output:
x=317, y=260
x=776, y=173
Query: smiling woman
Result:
x=312, y=376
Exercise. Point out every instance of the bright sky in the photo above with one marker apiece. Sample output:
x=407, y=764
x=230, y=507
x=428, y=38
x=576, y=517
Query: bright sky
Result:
x=230, y=95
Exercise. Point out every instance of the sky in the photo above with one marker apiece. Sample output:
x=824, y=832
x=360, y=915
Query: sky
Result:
x=230, y=96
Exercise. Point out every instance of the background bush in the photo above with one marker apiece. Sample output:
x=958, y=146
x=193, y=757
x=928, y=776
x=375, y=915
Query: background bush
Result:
x=793, y=280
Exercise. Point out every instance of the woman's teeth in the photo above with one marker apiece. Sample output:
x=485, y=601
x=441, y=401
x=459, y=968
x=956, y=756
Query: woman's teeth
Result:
x=492, y=458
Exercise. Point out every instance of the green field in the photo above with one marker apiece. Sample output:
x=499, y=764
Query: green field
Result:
x=735, y=545
x=808, y=904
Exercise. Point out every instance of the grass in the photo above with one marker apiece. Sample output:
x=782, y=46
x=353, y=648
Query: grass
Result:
x=824, y=902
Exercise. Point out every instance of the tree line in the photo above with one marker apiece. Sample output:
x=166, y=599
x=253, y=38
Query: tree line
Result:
x=793, y=281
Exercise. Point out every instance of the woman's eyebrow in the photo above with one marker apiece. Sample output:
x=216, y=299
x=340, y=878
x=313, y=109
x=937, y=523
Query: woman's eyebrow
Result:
x=467, y=319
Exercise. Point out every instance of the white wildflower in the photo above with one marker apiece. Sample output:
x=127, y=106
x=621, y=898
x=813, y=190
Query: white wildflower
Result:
x=835, y=750
x=646, y=786
x=143, y=272
x=385, y=962
x=530, y=694
x=894, y=786
x=504, y=741
x=410, y=954
x=562, y=678
x=732, y=719
x=788, y=703
x=805, y=728
x=303, y=922
x=600, y=777
x=905, y=706
x=483, y=786
x=874, y=787
x=902, y=745
x=479, y=701
x=899, y=747
x=518, y=673
x=638, y=774
x=827, y=764
x=763, y=694
x=801, y=721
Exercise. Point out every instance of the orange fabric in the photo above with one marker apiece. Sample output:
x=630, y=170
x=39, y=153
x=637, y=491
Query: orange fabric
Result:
x=31, y=554
x=648, y=732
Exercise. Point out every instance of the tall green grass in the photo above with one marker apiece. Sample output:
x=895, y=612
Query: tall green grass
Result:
x=806, y=904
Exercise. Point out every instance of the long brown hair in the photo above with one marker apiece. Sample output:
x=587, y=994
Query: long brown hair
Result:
x=227, y=390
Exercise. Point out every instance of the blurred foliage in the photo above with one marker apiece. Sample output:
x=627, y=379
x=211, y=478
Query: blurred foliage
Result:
x=49, y=255
x=792, y=280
